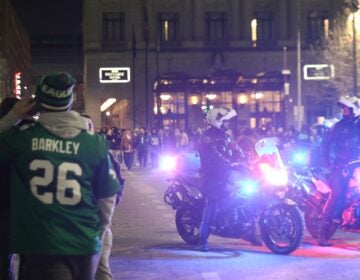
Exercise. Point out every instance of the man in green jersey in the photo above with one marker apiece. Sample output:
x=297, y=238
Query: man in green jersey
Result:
x=63, y=187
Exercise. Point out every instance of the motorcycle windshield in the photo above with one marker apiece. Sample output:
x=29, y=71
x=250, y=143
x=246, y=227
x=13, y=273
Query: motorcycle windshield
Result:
x=271, y=164
x=267, y=146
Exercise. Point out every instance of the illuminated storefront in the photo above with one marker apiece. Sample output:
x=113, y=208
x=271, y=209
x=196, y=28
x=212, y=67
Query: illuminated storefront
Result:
x=181, y=100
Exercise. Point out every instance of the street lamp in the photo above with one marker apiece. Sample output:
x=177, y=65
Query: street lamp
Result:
x=354, y=7
x=299, y=109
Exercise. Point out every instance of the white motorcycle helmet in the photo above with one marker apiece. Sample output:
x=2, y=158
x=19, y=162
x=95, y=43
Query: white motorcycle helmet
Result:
x=216, y=116
x=350, y=102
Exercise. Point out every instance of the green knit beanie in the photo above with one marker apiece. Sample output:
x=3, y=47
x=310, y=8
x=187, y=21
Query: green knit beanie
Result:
x=55, y=91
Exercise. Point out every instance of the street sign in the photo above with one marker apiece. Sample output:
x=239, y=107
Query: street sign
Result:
x=114, y=75
x=319, y=71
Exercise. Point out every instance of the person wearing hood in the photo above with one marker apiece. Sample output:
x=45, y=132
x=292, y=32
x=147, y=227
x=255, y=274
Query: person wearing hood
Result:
x=63, y=186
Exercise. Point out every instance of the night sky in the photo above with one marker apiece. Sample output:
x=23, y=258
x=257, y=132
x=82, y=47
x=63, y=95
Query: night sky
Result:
x=41, y=17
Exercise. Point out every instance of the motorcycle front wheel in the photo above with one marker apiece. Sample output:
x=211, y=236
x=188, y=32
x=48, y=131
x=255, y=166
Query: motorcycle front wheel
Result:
x=282, y=228
x=312, y=223
x=188, y=224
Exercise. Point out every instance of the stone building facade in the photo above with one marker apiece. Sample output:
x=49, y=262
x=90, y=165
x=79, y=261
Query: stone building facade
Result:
x=166, y=62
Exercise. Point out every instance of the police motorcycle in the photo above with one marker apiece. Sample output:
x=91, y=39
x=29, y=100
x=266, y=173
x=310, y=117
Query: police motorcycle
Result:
x=257, y=196
x=309, y=187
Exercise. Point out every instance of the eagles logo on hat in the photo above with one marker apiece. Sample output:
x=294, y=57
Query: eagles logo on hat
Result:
x=55, y=91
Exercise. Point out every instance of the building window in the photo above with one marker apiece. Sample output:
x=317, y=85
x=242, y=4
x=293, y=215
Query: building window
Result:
x=216, y=26
x=172, y=103
x=113, y=27
x=169, y=27
x=218, y=99
x=263, y=22
x=318, y=23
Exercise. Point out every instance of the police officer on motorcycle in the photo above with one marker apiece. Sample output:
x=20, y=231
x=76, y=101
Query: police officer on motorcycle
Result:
x=215, y=157
x=340, y=146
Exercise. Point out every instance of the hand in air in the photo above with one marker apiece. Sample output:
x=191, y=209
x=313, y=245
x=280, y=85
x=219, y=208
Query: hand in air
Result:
x=23, y=108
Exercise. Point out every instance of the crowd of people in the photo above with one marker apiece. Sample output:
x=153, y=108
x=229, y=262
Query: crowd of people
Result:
x=63, y=179
x=141, y=147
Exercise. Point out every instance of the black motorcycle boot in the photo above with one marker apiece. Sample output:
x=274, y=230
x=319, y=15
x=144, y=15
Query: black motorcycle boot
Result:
x=203, y=243
x=204, y=247
x=324, y=229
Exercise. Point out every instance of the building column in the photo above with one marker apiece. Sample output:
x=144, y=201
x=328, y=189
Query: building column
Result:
x=283, y=17
x=245, y=19
x=197, y=20
x=188, y=22
x=234, y=20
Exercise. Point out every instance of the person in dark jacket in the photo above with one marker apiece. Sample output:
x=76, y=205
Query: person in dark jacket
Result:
x=169, y=140
x=155, y=147
x=215, y=155
x=341, y=146
x=142, y=146
x=114, y=138
x=13, y=111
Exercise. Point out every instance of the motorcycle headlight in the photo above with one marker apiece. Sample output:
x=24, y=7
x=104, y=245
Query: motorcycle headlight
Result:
x=300, y=157
x=246, y=187
x=167, y=163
